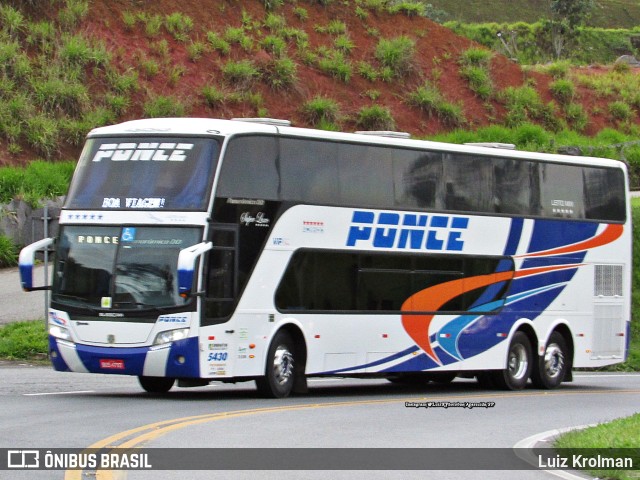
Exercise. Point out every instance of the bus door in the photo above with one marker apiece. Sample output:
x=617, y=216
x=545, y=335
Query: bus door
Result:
x=221, y=291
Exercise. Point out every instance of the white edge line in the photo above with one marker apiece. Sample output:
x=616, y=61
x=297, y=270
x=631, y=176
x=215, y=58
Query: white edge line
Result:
x=530, y=442
x=56, y=393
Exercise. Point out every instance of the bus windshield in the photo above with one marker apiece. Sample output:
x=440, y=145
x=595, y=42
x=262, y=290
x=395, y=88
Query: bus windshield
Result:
x=120, y=268
x=144, y=173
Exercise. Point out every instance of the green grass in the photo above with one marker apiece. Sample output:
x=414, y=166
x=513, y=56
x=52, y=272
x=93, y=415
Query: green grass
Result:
x=39, y=180
x=609, y=14
x=23, y=341
x=620, y=433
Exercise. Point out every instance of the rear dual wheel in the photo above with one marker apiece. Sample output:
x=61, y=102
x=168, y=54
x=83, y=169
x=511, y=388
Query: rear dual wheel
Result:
x=552, y=367
x=519, y=365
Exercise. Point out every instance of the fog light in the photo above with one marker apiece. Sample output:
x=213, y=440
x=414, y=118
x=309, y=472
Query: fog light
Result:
x=181, y=360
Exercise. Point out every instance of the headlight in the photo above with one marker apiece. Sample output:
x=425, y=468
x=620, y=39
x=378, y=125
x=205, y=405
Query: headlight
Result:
x=59, y=332
x=171, y=336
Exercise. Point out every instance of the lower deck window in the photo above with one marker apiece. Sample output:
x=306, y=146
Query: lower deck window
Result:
x=329, y=281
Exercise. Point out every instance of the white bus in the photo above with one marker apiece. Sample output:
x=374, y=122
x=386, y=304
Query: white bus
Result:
x=199, y=250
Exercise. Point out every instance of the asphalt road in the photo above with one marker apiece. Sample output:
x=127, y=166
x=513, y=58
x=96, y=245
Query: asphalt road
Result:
x=17, y=305
x=46, y=409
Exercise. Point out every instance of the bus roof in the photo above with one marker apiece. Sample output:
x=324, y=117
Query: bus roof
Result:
x=218, y=127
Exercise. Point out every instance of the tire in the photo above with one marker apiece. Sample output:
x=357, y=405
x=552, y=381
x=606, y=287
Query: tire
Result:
x=156, y=384
x=551, y=368
x=519, y=365
x=280, y=372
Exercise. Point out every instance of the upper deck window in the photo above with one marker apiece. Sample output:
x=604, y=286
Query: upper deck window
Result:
x=144, y=173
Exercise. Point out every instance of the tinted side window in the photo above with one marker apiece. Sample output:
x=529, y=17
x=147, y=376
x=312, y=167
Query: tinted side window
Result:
x=309, y=170
x=250, y=169
x=604, y=194
x=468, y=184
x=366, y=175
x=326, y=281
x=418, y=179
x=517, y=187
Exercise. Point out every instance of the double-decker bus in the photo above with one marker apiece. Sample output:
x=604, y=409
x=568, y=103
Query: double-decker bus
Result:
x=199, y=250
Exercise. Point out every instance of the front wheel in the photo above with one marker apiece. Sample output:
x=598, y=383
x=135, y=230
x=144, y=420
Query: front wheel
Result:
x=156, y=384
x=281, y=367
x=550, y=370
x=519, y=365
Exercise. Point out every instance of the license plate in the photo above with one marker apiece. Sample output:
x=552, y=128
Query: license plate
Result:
x=111, y=364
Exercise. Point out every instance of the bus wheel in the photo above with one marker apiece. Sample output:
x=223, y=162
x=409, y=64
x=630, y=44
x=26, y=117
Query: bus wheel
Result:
x=156, y=384
x=519, y=365
x=550, y=369
x=280, y=371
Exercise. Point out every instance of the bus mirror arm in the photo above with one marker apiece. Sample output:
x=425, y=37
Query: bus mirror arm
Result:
x=186, y=266
x=26, y=262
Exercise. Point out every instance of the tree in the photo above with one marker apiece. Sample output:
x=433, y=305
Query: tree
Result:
x=566, y=17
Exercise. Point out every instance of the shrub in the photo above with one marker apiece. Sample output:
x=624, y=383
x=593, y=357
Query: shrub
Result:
x=8, y=252
x=152, y=24
x=479, y=80
x=241, y=74
x=344, y=44
x=335, y=63
x=179, y=25
x=301, y=13
x=558, y=69
x=280, y=73
x=367, y=71
x=410, y=9
x=375, y=117
x=530, y=135
x=576, y=116
x=429, y=99
x=43, y=134
x=451, y=114
x=46, y=180
x=12, y=20
x=563, y=90
x=274, y=22
x=476, y=57
x=75, y=11
x=321, y=109
x=195, y=50
x=164, y=106
x=523, y=104
x=212, y=96
x=396, y=54
x=217, y=43
x=620, y=110
x=274, y=44
x=59, y=95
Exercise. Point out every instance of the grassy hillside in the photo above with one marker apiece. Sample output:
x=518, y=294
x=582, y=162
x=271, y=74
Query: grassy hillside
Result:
x=607, y=14
x=349, y=64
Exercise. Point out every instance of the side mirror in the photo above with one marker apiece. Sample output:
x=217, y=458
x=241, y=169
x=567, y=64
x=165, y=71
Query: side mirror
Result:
x=187, y=264
x=26, y=261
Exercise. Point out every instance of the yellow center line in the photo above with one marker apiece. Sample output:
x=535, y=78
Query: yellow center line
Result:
x=135, y=437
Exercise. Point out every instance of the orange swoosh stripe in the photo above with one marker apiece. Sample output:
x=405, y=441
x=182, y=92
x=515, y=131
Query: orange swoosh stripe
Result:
x=432, y=298
x=609, y=234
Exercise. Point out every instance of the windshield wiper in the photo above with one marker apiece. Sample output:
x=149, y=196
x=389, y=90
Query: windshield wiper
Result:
x=144, y=306
x=83, y=302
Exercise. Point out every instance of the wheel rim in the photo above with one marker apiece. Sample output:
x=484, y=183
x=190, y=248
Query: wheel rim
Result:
x=282, y=365
x=553, y=360
x=518, y=362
